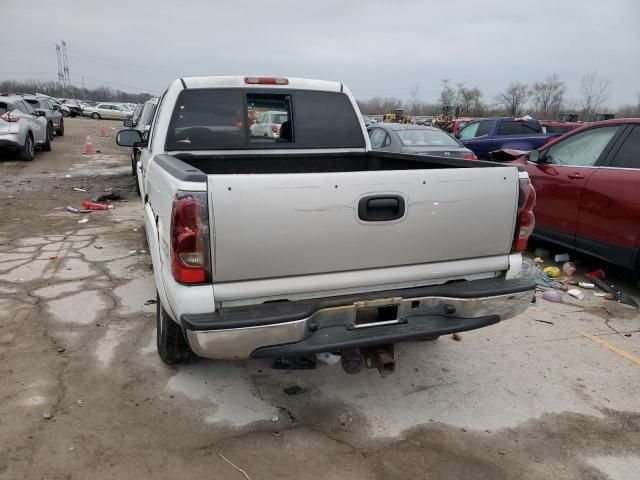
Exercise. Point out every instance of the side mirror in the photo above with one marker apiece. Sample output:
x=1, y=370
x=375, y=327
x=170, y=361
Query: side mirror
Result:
x=130, y=138
x=56, y=108
x=128, y=123
x=534, y=156
x=41, y=113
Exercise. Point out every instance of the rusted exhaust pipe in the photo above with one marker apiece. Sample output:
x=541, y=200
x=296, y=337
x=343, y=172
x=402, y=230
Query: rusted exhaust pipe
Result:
x=352, y=361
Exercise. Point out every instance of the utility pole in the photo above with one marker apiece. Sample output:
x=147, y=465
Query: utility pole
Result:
x=66, y=62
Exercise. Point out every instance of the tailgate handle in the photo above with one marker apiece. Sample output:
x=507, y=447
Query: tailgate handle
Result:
x=381, y=208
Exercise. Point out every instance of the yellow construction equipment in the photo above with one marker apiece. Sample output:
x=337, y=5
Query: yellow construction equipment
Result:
x=448, y=114
x=397, y=116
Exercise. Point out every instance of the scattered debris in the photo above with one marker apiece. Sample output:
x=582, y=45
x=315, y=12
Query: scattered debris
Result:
x=107, y=196
x=53, y=257
x=562, y=257
x=78, y=189
x=576, y=293
x=295, y=363
x=294, y=390
x=151, y=301
x=84, y=220
x=97, y=247
x=62, y=350
x=627, y=334
x=457, y=337
x=246, y=475
x=569, y=268
x=46, y=415
x=609, y=296
x=587, y=285
x=275, y=418
x=595, y=274
x=328, y=358
x=96, y=206
x=552, y=272
x=617, y=293
x=551, y=296
x=545, y=321
x=600, y=294
x=276, y=434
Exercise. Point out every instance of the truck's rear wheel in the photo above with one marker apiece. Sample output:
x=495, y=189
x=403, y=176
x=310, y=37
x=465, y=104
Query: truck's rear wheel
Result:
x=172, y=344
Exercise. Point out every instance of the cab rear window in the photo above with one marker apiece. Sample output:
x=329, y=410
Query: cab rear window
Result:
x=219, y=119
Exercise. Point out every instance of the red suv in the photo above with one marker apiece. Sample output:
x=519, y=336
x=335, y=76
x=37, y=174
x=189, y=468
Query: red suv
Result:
x=588, y=190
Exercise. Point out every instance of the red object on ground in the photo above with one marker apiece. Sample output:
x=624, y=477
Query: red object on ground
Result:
x=595, y=274
x=96, y=206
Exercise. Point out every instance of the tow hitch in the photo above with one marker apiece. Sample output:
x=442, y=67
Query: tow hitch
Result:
x=355, y=360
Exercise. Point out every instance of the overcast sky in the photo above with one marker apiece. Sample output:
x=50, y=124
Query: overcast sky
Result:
x=377, y=47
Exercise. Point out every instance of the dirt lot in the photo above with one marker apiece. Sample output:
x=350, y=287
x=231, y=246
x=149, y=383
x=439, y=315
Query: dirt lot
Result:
x=84, y=395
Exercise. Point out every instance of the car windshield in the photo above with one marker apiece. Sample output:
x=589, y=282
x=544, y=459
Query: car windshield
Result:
x=426, y=137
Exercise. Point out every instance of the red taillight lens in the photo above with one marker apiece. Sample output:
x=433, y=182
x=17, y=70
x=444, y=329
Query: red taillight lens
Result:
x=7, y=117
x=526, y=219
x=274, y=128
x=190, y=238
x=266, y=81
x=470, y=157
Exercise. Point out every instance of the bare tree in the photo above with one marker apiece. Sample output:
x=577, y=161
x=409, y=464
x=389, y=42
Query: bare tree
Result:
x=470, y=100
x=593, y=93
x=548, y=95
x=514, y=97
x=448, y=94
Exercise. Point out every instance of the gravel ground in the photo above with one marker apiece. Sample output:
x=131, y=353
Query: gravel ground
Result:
x=553, y=393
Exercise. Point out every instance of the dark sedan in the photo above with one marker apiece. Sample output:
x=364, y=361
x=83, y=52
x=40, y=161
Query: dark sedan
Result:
x=416, y=139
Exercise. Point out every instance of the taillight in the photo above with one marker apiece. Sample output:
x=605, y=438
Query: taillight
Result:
x=190, y=259
x=266, y=81
x=470, y=157
x=526, y=219
x=274, y=128
x=7, y=117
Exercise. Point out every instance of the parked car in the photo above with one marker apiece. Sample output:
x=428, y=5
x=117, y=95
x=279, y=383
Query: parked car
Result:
x=401, y=138
x=317, y=244
x=269, y=124
x=22, y=128
x=74, y=107
x=52, y=113
x=489, y=134
x=587, y=185
x=106, y=110
x=143, y=124
x=549, y=126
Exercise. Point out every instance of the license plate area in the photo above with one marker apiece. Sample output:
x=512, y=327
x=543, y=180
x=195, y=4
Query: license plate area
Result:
x=375, y=313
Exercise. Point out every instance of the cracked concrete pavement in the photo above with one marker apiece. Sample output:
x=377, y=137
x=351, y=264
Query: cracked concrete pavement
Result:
x=84, y=394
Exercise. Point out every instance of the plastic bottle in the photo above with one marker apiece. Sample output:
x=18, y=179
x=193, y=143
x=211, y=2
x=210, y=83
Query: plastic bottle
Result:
x=96, y=206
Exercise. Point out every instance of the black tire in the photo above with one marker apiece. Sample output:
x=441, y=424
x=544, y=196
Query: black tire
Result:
x=60, y=131
x=46, y=146
x=65, y=113
x=28, y=151
x=134, y=160
x=172, y=344
x=95, y=116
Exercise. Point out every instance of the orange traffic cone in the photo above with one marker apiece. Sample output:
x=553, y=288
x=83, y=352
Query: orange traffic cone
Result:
x=103, y=132
x=88, y=148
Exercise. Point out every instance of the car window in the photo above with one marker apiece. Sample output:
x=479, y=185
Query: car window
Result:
x=5, y=107
x=582, y=149
x=377, y=137
x=387, y=140
x=510, y=127
x=469, y=131
x=28, y=108
x=415, y=137
x=33, y=102
x=629, y=154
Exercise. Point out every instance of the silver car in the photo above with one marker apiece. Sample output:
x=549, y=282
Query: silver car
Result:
x=52, y=112
x=22, y=128
x=107, y=110
x=417, y=139
x=141, y=122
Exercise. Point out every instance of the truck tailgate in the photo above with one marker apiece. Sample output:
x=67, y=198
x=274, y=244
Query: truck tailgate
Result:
x=285, y=225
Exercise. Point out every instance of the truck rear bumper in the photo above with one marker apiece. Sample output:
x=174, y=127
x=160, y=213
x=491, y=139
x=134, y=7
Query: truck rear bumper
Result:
x=355, y=321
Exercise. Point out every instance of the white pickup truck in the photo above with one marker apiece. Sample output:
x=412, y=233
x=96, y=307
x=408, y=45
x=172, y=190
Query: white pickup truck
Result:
x=310, y=242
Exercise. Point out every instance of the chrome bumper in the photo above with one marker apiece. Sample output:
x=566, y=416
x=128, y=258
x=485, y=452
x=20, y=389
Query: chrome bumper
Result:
x=240, y=343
